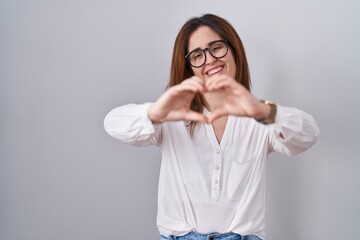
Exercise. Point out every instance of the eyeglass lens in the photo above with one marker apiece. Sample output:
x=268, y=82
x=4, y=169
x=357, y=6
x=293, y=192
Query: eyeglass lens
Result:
x=217, y=49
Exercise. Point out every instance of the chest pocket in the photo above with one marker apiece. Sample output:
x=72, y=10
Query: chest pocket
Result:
x=238, y=180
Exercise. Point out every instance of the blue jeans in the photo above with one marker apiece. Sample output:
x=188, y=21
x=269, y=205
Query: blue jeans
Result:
x=210, y=236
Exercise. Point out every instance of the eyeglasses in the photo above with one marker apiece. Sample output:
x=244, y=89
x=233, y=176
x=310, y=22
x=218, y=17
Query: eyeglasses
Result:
x=217, y=49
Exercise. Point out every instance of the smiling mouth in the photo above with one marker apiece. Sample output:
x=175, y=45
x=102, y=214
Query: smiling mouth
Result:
x=214, y=70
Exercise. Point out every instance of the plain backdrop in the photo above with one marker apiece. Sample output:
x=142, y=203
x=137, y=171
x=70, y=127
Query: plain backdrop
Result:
x=65, y=64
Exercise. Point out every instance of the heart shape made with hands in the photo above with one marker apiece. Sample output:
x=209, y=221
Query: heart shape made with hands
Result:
x=223, y=93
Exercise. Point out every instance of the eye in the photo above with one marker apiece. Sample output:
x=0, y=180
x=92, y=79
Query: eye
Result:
x=197, y=56
x=217, y=47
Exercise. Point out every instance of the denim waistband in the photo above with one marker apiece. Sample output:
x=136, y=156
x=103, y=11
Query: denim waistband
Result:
x=210, y=236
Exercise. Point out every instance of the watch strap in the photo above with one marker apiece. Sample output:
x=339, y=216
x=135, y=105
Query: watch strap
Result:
x=272, y=115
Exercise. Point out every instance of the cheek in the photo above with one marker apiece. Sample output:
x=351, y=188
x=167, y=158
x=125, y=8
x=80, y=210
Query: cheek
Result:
x=232, y=67
x=197, y=71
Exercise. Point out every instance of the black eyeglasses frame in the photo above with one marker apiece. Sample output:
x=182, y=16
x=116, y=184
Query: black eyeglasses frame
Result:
x=208, y=49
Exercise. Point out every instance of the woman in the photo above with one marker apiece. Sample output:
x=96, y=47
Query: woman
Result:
x=214, y=135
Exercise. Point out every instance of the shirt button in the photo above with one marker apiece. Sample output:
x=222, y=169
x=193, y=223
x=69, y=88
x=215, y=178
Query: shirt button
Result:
x=217, y=151
x=216, y=181
x=217, y=167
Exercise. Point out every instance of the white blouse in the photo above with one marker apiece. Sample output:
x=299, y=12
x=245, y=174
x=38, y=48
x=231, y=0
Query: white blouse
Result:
x=209, y=187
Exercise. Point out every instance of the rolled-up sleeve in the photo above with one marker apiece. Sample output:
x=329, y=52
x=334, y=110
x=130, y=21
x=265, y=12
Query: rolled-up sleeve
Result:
x=293, y=132
x=130, y=124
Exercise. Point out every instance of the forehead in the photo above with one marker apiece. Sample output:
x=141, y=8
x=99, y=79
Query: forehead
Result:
x=202, y=37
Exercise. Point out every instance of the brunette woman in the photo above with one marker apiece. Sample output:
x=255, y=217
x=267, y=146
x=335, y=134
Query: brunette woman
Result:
x=215, y=137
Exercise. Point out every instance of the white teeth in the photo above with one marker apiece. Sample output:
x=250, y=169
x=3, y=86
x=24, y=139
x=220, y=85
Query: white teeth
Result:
x=213, y=71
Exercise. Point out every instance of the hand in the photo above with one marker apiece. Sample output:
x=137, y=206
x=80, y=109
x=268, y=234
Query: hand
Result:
x=175, y=103
x=237, y=100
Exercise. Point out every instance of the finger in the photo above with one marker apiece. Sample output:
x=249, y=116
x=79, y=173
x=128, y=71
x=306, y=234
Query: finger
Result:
x=195, y=116
x=210, y=81
x=196, y=81
x=215, y=81
x=193, y=80
x=217, y=113
x=219, y=85
x=199, y=79
x=198, y=85
x=182, y=88
x=215, y=84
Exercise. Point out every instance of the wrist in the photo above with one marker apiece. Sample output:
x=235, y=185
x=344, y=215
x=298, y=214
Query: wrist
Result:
x=152, y=116
x=268, y=112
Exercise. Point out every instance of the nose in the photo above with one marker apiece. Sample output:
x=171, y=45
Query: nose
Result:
x=208, y=57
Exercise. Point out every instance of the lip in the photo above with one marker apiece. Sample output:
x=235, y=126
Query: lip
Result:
x=208, y=70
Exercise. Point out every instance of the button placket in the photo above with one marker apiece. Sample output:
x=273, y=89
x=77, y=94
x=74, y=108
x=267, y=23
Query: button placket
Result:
x=216, y=172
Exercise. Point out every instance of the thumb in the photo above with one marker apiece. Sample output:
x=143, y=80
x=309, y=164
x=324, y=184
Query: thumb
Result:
x=195, y=116
x=217, y=113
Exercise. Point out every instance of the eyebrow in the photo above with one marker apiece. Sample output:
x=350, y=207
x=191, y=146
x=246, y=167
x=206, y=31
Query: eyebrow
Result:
x=209, y=43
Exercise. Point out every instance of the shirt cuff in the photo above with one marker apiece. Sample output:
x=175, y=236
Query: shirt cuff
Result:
x=288, y=122
x=149, y=126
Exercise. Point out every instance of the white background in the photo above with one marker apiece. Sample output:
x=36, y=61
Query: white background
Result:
x=65, y=64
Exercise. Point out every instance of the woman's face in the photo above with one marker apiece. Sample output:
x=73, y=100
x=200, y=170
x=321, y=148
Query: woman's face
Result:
x=225, y=65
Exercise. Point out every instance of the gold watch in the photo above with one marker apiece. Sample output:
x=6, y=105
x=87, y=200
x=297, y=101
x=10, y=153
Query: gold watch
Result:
x=272, y=115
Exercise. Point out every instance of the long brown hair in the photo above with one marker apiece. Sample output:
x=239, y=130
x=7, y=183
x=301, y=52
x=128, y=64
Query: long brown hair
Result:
x=181, y=70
